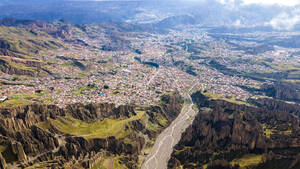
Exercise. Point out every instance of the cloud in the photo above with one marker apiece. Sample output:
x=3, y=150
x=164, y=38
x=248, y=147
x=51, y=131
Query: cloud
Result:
x=272, y=2
x=284, y=16
x=237, y=23
x=260, y=2
x=285, y=21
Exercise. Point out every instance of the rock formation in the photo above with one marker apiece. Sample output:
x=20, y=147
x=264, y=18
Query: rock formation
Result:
x=31, y=138
x=2, y=162
x=283, y=91
x=224, y=131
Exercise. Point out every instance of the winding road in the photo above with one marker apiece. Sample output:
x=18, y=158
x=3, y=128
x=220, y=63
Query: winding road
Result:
x=163, y=147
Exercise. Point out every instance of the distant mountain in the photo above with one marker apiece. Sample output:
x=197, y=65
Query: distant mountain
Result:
x=176, y=20
x=75, y=11
x=15, y=22
x=207, y=13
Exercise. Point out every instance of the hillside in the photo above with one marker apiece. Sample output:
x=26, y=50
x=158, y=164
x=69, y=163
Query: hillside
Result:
x=82, y=136
x=21, y=50
x=228, y=135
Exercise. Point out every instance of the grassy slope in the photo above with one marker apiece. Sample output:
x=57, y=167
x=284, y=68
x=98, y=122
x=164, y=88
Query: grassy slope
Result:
x=25, y=43
x=2, y=148
x=247, y=160
x=268, y=130
x=15, y=101
x=109, y=163
x=24, y=48
x=21, y=99
x=103, y=129
x=221, y=97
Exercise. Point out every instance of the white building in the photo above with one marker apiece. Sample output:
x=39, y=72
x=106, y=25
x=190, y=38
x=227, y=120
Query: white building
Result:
x=4, y=98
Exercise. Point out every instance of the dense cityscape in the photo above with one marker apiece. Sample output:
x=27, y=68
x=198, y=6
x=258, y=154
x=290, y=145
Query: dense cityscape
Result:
x=121, y=78
x=149, y=84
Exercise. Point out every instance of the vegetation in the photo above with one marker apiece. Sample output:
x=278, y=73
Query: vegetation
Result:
x=103, y=129
x=23, y=99
x=100, y=164
x=222, y=97
x=247, y=161
x=154, y=126
x=16, y=101
x=2, y=148
x=205, y=166
x=110, y=163
x=44, y=125
x=286, y=132
x=26, y=44
x=117, y=163
x=285, y=67
x=18, y=63
x=68, y=64
x=161, y=120
x=81, y=90
x=148, y=147
x=269, y=130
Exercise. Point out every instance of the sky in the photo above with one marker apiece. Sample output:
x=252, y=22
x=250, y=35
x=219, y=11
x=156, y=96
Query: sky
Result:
x=285, y=16
x=261, y=2
x=272, y=2
x=245, y=2
x=284, y=20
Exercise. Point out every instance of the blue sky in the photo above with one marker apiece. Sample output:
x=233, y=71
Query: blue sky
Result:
x=246, y=2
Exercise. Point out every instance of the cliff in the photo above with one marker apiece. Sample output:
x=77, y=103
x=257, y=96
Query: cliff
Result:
x=49, y=136
x=283, y=91
x=223, y=133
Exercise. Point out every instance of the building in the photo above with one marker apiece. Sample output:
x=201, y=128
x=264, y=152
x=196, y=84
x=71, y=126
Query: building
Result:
x=3, y=99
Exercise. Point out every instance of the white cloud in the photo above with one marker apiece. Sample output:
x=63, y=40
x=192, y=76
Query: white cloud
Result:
x=245, y=2
x=261, y=2
x=237, y=23
x=285, y=21
x=272, y=2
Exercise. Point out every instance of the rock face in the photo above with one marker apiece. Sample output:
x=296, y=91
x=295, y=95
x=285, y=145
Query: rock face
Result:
x=31, y=138
x=2, y=162
x=283, y=91
x=63, y=32
x=226, y=131
x=100, y=111
x=17, y=148
x=9, y=69
x=278, y=105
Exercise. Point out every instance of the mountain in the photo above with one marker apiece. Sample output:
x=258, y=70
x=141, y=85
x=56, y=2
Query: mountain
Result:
x=107, y=84
x=23, y=43
x=76, y=12
x=208, y=13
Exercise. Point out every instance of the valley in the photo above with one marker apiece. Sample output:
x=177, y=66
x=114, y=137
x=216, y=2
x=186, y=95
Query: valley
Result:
x=163, y=147
x=152, y=89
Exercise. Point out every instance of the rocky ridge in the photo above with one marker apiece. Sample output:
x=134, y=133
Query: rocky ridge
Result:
x=224, y=131
x=30, y=139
